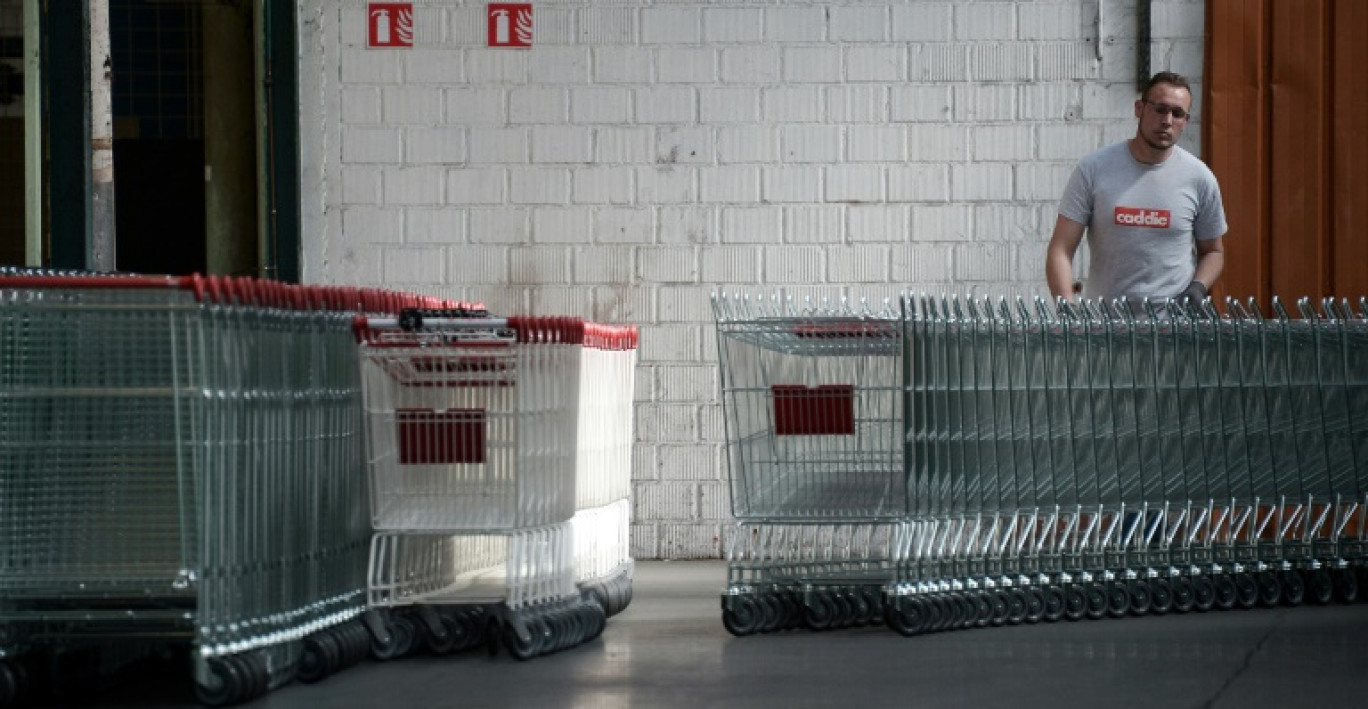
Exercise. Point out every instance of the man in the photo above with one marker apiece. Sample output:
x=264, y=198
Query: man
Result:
x=1145, y=204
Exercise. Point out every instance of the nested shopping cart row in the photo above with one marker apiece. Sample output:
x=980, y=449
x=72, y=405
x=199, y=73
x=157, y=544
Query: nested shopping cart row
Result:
x=1036, y=460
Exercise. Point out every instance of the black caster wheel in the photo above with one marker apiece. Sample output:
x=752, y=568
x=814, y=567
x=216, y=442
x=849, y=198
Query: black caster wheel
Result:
x=1097, y=601
x=1118, y=599
x=820, y=613
x=1346, y=585
x=1035, y=604
x=322, y=656
x=1322, y=585
x=1246, y=591
x=964, y=611
x=740, y=616
x=907, y=616
x=1016, y=606
x=1075, y=602
x=1270, y=588
x=1054, y=604
x=1161, y=596
x=1293, y=587
x=522, y=646
x=1226, y=592
x=941, y=612
x=1184, y=596
x=226, y=684
x=1002, y=604
x=771, y=612
x=1141, y=599
x=845, y=612
x=1203, y=593
x=983, y=608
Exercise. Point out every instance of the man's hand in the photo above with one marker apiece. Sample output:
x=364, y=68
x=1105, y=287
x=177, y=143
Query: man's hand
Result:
x=1195, y=293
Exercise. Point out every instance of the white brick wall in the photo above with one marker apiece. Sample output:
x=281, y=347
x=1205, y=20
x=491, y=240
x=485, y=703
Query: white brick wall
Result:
x=645, y=154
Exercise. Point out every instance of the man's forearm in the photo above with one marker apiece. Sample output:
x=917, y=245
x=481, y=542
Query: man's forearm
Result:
x=1209, y=268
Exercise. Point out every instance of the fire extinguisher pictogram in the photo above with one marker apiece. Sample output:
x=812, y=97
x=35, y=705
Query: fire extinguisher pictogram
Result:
x=510, y=25
x=389, y=24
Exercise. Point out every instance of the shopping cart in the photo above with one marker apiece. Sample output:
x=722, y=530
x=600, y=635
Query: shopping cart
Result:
x=1112, y=458
x=473, y=459
x=181, y=465
x=813, y=407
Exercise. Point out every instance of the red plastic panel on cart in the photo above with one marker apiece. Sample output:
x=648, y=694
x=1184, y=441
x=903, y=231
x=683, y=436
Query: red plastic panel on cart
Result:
x=429, y=437
x=825, y=410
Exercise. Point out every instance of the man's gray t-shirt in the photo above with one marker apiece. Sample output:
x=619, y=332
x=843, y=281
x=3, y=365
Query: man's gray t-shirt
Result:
x=1142, y=219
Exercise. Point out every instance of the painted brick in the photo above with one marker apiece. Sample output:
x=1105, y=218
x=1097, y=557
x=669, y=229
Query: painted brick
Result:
x=812, y=64
x=367, y=67
x=410, y=105
x=977, y=262
x=729, y=184
x=572, y=301
x=952, y=222
x=624, y=226
x=985, y=103
x=374, y=225
x=1003, y=142
x=728, y=105
x=434, y=226
x=686, y=383
x=496, y=68
x=666, y=423
x=600, y=105
x=935, y=63
x=1042, y=181
x=499, y=145
x=444, y=145
x=361, y=184
x=876, y=64
x=711, y=426
x=920, y=265
x=814, y=224
x=671, y=26
x=530, y=185
x=465, y=106
x=981, y=182
x=690, y=541
x=476, y=186
x=466, y=26
x=568, y=225
x=923, y=22
x=560, y=66
x=414, y=265
x=361, y=105
x=691, y=462
x=666, y=104
x=854, y=183
x=857, y=24
x=554, y=26
x=1066, y=61
x=371, y=145
x=537, y=265
x=621, y=65
x=918, y=183
x=607, y=25
x=665, y=184
x=601, y=264
x=624, y=304
x=730, y=264
x=618, y=145
x=1067, y=141
x=433, y=66
x=937, y=143
x=714, y=500
x=668, y=343
x=645, y=541
x=413, y=185
x=876, y=143
x=683, y=304
x=857, y=264
x=798, y=183
x=644, y=466
x=538, y=104
x=502, y=299
x=692, y=65
x=1050, y=102
x=747, y=144
x=1053, y=22
x=985, y=21
x=878, y=222
x=796, y=104
x=1007, y=222
x=733, y=24
x=815, y=143
x=795, y=24
x=561, y=144
x=921, y=103
x=667, y=264
x=751, y=65
x=1000, y=62
x=751, y=225
x=500, y=226
x=601, y=185
x=857, y=104
x=687, y=225
x=793, y=264
x=478, y=264
x=359, y=264
x=684, y=145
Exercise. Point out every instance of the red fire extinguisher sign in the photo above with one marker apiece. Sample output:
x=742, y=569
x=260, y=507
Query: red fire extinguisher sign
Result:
x=389, y=24
x=510, y=24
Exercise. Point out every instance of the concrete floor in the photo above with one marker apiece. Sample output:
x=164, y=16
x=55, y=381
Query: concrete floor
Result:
x=669, y=649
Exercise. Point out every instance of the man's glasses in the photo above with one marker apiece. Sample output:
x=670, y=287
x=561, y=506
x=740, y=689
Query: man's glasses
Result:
x=1164, y=109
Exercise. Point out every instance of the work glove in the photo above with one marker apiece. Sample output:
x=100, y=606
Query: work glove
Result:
x=1192, y=297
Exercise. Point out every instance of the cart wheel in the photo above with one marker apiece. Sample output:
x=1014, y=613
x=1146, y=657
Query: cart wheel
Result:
x=859, y=606
x=1322, y=585
x=259, y=677
x=1035, y=604
x=1054, y=604
x=11, y=684
x=1246, y=591
x=907, y=616
x=874, y=596
x=1203, y=593
x=1183, y=595
x=1000, y=602
x=741, y=616
x=1141, y=600
x=968, y=610
x=820, y=612
x=320, y=658
x=1225, y=591
x=844, y=614
x=1016, y=606
x=1270, y=588
x=1294, y=588
x=226, y=684
x=443, y=640
x=522, y=648
x=397, y=641
x=1075, y=602
x=1097, y=601
x=1346, y=585
x=1118, y=599
x=983, y=608
x=1161, y=596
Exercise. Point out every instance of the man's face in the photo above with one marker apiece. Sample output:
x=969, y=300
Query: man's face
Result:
x=1159, y=111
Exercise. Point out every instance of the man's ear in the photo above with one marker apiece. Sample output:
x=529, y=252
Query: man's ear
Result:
x=1139, y=107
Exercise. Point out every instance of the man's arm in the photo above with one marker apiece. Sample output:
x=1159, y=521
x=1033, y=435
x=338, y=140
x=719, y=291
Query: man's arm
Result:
x=1060, y=255
x=1210, y=261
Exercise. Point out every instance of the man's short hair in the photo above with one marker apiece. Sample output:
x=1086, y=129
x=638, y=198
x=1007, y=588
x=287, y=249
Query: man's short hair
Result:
x=1165, y=77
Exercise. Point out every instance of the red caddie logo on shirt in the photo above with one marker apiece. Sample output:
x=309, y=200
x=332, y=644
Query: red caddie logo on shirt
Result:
x=1142, y=217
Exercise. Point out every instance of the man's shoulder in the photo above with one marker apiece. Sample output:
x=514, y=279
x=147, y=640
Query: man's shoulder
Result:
x=1191, y=162
x=1105, y=154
